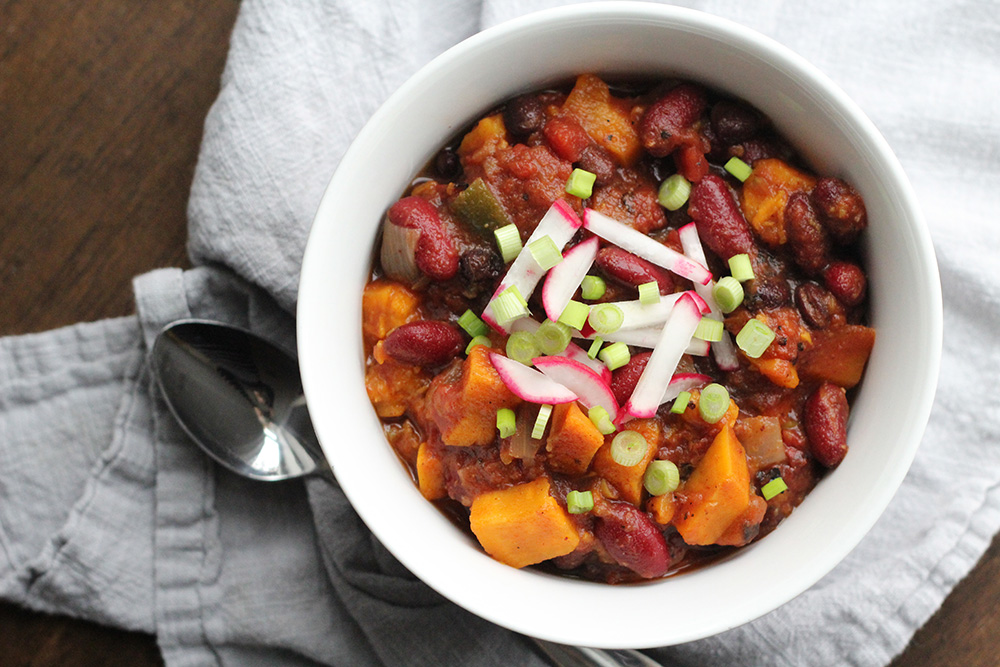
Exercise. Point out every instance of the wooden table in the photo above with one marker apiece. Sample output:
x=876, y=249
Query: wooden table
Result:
x=101, y=111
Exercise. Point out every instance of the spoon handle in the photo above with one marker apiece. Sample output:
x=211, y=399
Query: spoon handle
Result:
x=579, y=656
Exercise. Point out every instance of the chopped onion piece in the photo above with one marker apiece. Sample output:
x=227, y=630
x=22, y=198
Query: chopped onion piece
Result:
x=579, y=502
x=615, y=355
x=774, y=487
x=506, y=422
x=661, y=477
x=581, y=183
x=508, y=240
x=541, y=421
x=629, y=448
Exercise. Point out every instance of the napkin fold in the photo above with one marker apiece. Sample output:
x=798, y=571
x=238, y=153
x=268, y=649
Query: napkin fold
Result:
x=109, y=513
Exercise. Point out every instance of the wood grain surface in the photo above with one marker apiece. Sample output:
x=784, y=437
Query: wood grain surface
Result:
x=101, y=111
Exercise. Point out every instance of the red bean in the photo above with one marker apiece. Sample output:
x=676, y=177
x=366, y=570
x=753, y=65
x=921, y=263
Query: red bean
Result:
x=841, y=209
x=826, y=414
x=670, y=121
x=720, y=223
x=633, y=540
x=628, y=269
x=423, y=343
x=734, y=122
x=624, y=379
x=598, y=161
x=846, y=281
x=435, y=253
x=813, y=303
x=808, y=240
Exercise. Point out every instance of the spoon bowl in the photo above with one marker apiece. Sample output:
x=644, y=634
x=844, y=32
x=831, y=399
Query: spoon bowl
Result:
x=239, y=397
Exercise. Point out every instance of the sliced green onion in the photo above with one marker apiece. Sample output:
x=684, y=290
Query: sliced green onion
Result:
x=574, y=315
x=713, y=403
x=601, y=419
x=681, y=402
x=628, y=448
x=593, y=288
x=773, y=488
x=738, y=168
x=522, y=347
x=552, y=337
x=674, y=192
x=516, y=291
x=506, y=422
x=546, y=252
x=478, y=340
x=508, y=241
x=581, y=183
x=649, y=293
x=579, y=502
x=606, y=318
x=661, y=477
x=595, y=347
x=507, y=307
x=472, y=325
x=615, y=355
x=709, y=329
x=540, y=421
x=728, y=294
x=740, y=267
x=754, y=338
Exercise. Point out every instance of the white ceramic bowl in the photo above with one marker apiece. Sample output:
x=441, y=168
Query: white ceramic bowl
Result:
x=888, y=417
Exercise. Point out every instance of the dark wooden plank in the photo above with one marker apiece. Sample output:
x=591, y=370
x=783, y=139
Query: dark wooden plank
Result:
x=101, y=110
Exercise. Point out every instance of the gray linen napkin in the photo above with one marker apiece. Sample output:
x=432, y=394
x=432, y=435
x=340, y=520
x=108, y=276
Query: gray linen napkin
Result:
x=109, y=513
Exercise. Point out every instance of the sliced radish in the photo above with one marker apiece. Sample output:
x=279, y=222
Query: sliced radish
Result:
x=683, y=382
x=565, y=277
x=724, y=351
x=674, y=339
x=528, y=384
x=639, y=315
x=589, y=387
x=639, y=244
x=572, y=351
x=648, y=337
x=559, y=223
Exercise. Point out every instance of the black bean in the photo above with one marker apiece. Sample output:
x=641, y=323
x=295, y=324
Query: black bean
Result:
x=447, y=163
x=523, y=115
x=480, y=265
x=733, y=122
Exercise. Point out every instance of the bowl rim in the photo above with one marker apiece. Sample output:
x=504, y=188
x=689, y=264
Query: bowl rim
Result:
x=578, y=593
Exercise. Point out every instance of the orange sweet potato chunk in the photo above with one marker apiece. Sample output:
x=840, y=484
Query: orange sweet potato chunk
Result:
x=430, y=473
x=385, y=305
x=627, y=480
x=465, y=412
x=716, y=493
x=606, y=119
x=485, y=139
x=522, y=525
x=573, y=440
x=765, y=193
x=838, y=355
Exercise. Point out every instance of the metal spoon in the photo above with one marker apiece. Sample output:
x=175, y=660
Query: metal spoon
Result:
x=240, y=399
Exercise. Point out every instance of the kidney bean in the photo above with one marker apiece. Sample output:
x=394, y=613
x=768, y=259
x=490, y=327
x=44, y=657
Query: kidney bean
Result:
x=598, y=161
x=760, y=148
x=423, y=343
x=846, y=281
x=633, y=540
x=523, y=115
x=435, y=253
x=720, y=223
x=628, y=269
x=765, y=292
x=734, y=122
x=669, y=122
x=841, y=208
x=826, y=424
x=624, y=379
x=813, y=303
x=806, y=236
x=480, y=266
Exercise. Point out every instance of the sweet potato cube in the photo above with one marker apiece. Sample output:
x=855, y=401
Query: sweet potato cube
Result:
x=485, y=139
x=837, y=355
x=716, y=493
x=523, y=525
x=606, y=119
x=385, y=305
x=765, y=193
x=466, y=411
x=573, y=440
x=430, y=473
x=627, y=480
